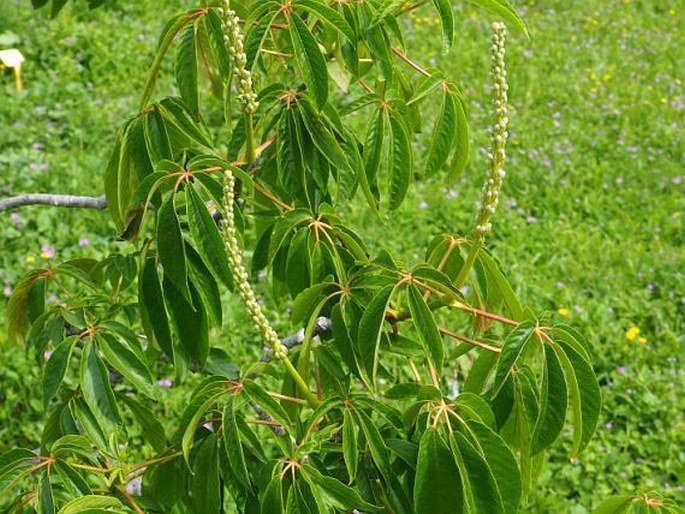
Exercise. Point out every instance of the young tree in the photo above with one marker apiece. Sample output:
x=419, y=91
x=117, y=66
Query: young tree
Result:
x=355, y=413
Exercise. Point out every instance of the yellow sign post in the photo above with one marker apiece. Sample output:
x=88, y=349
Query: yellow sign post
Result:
x=13, y=58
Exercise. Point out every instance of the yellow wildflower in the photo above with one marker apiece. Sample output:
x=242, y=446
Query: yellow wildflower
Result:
x=45, y=255
x=642, y=340
x=563, y=312
x=632, y=333
x=30, y=259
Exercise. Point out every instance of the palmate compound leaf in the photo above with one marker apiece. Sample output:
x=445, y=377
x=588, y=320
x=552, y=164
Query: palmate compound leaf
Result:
x=553, y=402
x=438, y=483
x=583, y=393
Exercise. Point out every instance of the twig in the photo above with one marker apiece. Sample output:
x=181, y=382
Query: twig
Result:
x=70, y=201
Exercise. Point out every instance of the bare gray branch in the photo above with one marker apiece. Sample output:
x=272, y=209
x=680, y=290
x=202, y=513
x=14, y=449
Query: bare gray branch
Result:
x=70, y=201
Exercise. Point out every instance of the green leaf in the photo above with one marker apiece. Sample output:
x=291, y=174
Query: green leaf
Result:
x=206, y=285
x=206, y=487
x=16, y=312
x=553, y=402
x=475, y=407
x=172, y=28
x=272, y=500
x=584, y=394
x=481, y=483
x=205, y=234
x=91, y=503
x=504, y=9
x=497, y=280
x=373, y=153
x=156, y=137
x=188, y=130
x=96, y=389
x=426, y=328
x=444, y=8
x=350, y=445
x=56, y=367
x=185, y=69
x=271, y=406
x=233, y=444
x=437, y=486
x=309, y=59
x=502, y=464
x=377, y=447
x=401, y=162
x=306, y=301
x=572, y=337
x=153, y=430
x=15, y=457
x=71, y=480
x=191, y=323
x=336, y=493
x=512, y=348
x=89, y=423
x=463, y=141
x=152, y=300
x=330, y=17
x=480, y=371
x=614, y=505
x=126, y=362
x=73, y=445
x=370, y=330
x=171, y=249
x=444, y=133
x=112, y=185
x=290, y=158
x=56, y=6
x=254, y=39
x=286, y=224
x=47, y=499
x=323, y=138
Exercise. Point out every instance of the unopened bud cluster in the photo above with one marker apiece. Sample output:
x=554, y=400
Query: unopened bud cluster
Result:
x=233, y=37
x=235, y=261
x=499, y=134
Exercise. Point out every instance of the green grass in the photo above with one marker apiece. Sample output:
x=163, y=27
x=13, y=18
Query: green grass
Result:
x=592, y=222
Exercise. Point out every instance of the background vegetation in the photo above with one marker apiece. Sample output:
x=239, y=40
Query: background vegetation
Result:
x=592, y=225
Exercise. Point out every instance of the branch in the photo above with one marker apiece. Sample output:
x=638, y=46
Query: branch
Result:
x=85, y=202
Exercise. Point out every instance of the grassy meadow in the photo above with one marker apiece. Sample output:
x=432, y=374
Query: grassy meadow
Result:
x=591, y=227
